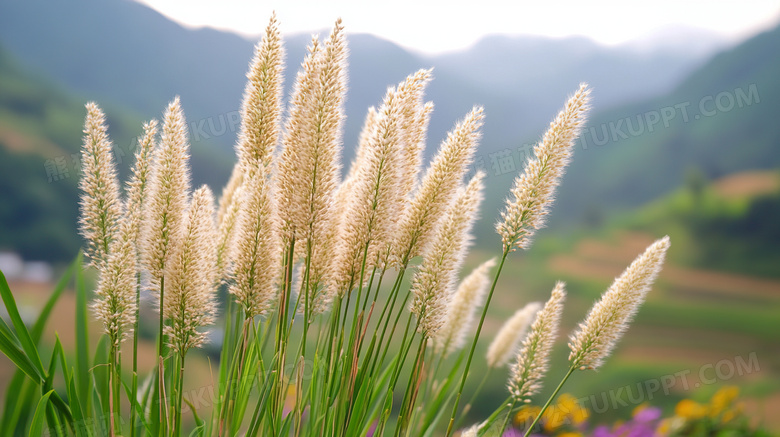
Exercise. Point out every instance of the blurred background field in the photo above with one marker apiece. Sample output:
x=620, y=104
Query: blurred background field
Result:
x=684, y=140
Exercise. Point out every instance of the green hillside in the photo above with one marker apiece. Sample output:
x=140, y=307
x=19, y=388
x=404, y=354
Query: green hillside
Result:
x=40, y=139
x=721, y=120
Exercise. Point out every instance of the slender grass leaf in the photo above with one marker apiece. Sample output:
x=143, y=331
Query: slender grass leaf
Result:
x=36, y=427
x=11, y=348
x=22, y=334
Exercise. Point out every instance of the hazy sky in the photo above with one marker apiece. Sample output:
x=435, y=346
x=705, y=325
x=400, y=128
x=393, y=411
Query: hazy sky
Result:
x=443, y=25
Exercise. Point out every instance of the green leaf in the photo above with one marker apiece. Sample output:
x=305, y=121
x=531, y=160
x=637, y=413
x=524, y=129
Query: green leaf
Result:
x=78, y=416
x=22, y=334
x=36, y=428
x=12, y=408
x=9, y=345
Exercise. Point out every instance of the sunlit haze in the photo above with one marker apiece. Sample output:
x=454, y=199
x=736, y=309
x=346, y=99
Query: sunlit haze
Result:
x=437, y=26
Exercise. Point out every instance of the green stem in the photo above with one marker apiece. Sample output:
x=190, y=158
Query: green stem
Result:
x=134, y=391
x=468, y=405
x=549, y=401
x=179, y=396
x=474, y=343
x=508, y=415
x=161, y=358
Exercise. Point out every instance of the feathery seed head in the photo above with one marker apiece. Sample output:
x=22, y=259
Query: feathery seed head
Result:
x=466, y=301
x=434, y=282
x=505, y=345
x=137, y=186
x=534, y=190
x=100, y=205
x=114, y=303
x=191, y=278
x=609, y=318
x=227, y=213
x=368, y=223
x=438, y=187
x=534, y=356
x=310, y=162
x=169, y=186
x=261, y=110
x=415, y=117
x=256, y=250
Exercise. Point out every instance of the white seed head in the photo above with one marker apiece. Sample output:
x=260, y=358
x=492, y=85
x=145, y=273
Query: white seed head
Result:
x=504, y=346
x=368, y=224
x=166, y=203
x=138, y=185
x=100, y=205
x=609, y=318
x=467, y=300
x=438, y=187
x=227, y=214
x=534, y=356
x=191, y=278
x=310, y=162
x=256, y=250
x=434, y=282
x=470, y=432
x=534, y=190
x=114, y=303
x=261, y=110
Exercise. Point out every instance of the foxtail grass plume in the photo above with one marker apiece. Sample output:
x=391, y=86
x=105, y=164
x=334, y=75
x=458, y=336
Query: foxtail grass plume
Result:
x=534, y=356
x=169, y=186
x=368, y=224
x=228, y=193
x=509, y=337
x=434, y=282
x=138, y=185
x=256, y=251
x=295, y=154
x=191, y=278
x=261, y=110
x=467, y=300
x=609, y=318
x=227, y=213
x=100, y=205
x=438, y=187
x=115, y=304
x=310, y=162
x=416, y=116
x=473, y=431
x=534, y=190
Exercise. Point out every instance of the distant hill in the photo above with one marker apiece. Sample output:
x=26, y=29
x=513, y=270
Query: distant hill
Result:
x=40, y=139
x=720, y=120
x=122, y=51
x=132, y=60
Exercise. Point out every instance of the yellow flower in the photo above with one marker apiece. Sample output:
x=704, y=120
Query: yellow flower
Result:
x=526, y=415
x=722, y=399
x=554, y=417
x=570, y=434
x=664, y=427
x=574, y=411
x=691, y=410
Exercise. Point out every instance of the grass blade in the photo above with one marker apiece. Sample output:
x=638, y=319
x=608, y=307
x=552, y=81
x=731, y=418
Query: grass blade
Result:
x=36, y=428
x=22, y=334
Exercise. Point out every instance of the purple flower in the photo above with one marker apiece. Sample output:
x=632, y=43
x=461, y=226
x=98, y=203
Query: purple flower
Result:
x=647, y=414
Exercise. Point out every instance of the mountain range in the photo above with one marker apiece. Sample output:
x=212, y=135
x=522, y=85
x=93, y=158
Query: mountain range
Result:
x=132, y=60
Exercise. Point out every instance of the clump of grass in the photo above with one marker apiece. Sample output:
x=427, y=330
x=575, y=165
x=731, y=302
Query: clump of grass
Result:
x=302, y=256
